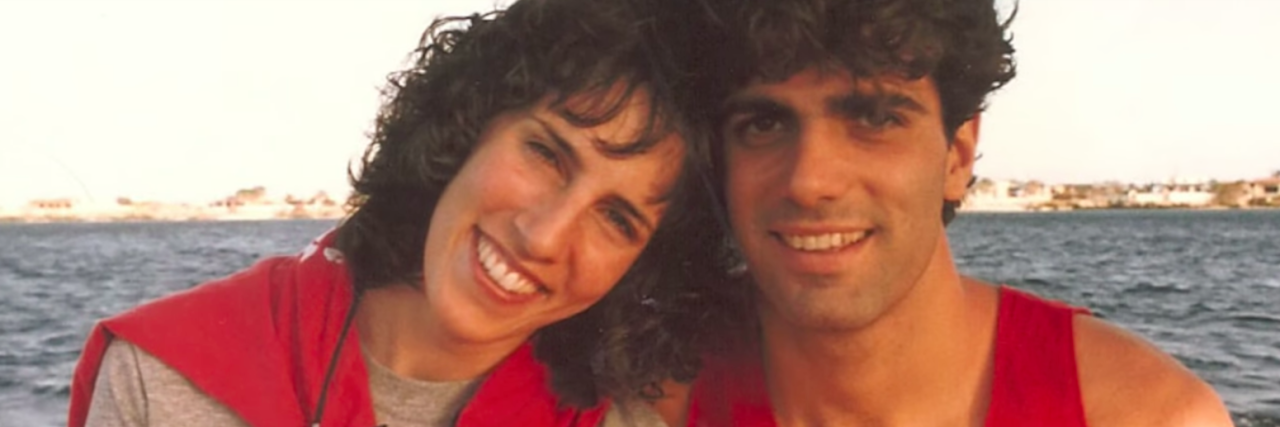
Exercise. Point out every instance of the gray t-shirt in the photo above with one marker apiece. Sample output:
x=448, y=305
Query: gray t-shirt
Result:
x=136, y=389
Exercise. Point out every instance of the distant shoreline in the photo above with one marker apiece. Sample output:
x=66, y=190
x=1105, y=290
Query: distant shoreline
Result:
x=176, y=213
x=963, y=211
x=12, y=220
x=333, y=216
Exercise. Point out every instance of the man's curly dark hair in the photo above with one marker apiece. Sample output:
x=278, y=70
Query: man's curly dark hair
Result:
x=466, y=71
x=961, y=44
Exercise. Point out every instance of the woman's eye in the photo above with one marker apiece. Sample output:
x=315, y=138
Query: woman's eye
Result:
x=620, y=221
x=544, y=153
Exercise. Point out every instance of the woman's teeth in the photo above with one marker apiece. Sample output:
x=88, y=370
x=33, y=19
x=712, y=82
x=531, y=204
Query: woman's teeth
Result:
x=500, y=273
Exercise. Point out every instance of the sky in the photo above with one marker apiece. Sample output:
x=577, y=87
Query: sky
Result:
x=191, y=100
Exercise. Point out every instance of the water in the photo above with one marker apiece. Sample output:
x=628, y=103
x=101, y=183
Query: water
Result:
x=57, y=279
x=1204, y=286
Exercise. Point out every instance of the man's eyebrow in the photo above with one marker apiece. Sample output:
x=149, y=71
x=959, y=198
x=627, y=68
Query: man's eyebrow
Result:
x=750, y=104
x=861, y=101
x=559, y=141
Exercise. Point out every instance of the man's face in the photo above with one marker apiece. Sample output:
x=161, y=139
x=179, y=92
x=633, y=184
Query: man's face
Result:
x=835, y=191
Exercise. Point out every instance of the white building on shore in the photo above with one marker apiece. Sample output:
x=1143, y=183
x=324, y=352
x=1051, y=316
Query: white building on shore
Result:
x=1006, y=196
x=1171, y=195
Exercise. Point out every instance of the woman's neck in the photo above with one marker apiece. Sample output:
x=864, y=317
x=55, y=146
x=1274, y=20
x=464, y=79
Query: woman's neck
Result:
x=398, y=329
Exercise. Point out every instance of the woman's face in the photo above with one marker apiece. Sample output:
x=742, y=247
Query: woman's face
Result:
x=541, y=222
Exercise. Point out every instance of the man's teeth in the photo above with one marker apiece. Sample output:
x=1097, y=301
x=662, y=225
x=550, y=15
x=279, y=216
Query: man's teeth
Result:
x=500, y=273
x=823, y=242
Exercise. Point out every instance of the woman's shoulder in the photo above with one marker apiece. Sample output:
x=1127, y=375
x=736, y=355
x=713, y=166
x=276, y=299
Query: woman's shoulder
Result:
x=135, y=388
x=230, y=287
x=244, y=290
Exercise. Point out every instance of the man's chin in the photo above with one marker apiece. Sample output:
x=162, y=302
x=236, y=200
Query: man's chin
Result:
x=827, y=304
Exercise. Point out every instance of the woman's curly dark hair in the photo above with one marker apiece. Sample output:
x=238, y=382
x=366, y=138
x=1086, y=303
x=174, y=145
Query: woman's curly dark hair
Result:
x=960, y=44
x=466, y=71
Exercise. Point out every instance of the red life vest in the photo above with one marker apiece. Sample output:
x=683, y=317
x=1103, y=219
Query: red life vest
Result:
x=260, y=343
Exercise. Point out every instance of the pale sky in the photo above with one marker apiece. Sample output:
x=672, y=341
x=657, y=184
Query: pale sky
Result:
x=191, y=100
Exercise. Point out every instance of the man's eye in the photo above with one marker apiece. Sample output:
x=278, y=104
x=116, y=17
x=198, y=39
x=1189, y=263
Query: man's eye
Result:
x=880, y=119
x=763, y=125
x=757, y=130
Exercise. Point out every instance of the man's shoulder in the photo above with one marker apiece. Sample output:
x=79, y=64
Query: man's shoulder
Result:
x=1125, y=380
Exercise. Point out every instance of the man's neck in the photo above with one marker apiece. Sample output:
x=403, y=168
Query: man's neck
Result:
x=398, y=330
x=926, y=361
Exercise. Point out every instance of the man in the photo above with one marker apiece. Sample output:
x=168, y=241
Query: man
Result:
x=848, y=130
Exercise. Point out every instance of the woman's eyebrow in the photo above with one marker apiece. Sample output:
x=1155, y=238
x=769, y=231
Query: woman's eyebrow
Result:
x=559, y=141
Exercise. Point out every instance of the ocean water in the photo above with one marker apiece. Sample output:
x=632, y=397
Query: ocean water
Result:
x=1204, y=286
x=58, y=279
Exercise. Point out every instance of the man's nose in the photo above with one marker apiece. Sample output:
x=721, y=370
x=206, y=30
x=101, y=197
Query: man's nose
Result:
x=820, y=170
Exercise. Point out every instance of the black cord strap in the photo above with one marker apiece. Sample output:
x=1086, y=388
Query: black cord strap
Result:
x=333, y=360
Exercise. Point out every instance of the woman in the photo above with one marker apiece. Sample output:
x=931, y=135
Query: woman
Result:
x=528, y=227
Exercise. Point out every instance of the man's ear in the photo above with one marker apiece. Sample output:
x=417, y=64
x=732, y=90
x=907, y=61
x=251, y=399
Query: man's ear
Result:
x=960, y=157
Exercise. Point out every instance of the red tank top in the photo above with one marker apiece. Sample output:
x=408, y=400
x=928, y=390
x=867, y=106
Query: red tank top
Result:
x=1034, y=383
